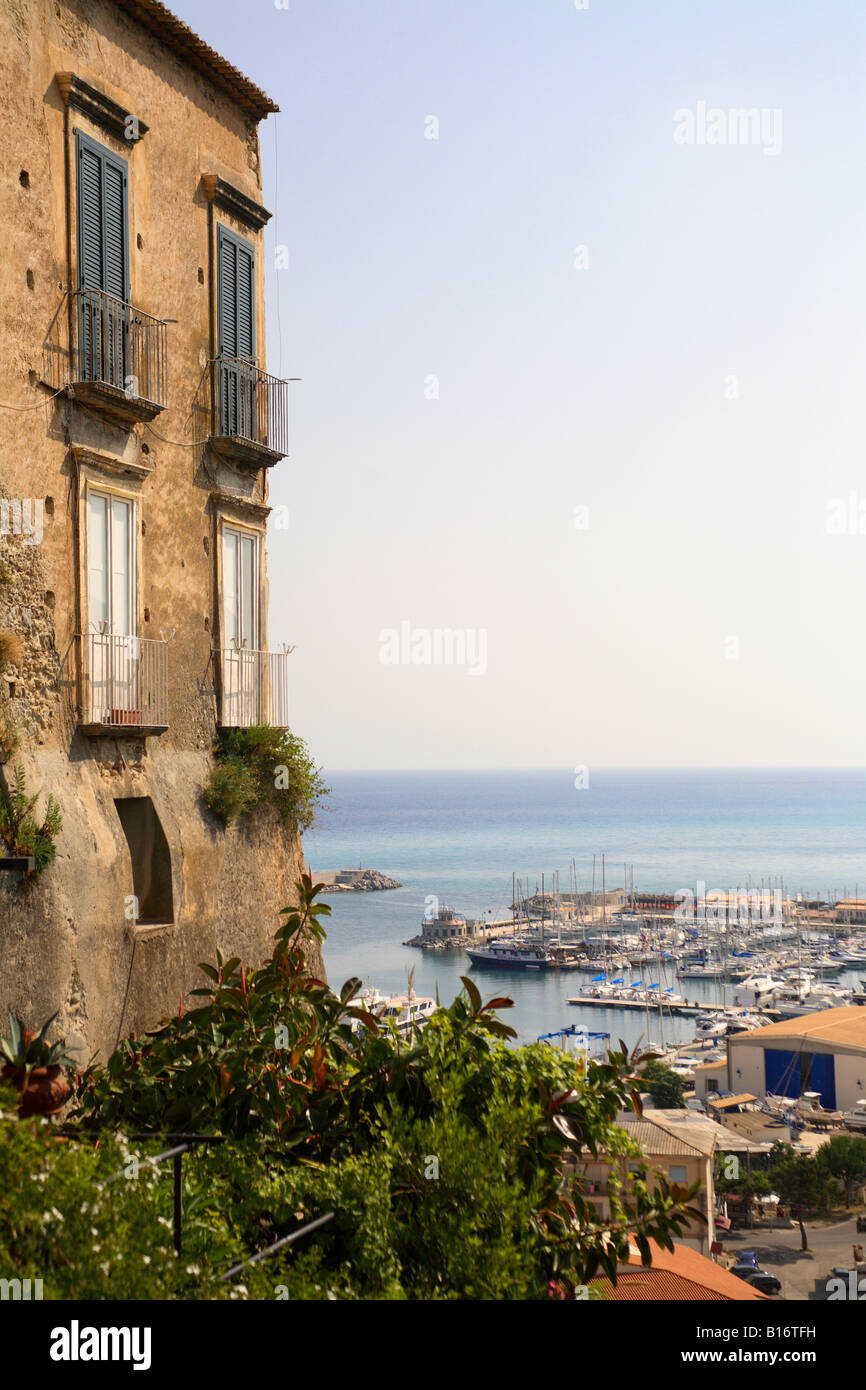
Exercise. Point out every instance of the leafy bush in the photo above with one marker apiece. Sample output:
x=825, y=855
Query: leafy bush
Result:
x=441, y=1153
x=20, y=832
x=26, y=1049
x=231, y=791
x=666, y=1088
x=264, y=766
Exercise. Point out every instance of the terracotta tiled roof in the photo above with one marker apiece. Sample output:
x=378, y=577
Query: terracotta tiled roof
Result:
x=681, y=1276
x=182, y=41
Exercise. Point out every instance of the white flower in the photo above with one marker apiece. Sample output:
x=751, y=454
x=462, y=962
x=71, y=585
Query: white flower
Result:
x=106, y=1268
x=84, y=1208
x=193, y=1269
x=57, y=1214
x=145, y=1259
x=164, y=1221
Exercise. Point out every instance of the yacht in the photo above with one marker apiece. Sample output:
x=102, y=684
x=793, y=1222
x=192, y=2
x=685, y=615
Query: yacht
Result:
x=758, y=989
x=512, y=955
x=405, y=1012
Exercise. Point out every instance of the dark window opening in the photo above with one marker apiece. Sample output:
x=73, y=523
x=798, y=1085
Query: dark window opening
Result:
x=151, y=859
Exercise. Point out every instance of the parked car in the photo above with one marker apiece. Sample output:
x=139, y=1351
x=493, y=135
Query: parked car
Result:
x=747, y=1257
x=763, y=1281
x=743, y=1271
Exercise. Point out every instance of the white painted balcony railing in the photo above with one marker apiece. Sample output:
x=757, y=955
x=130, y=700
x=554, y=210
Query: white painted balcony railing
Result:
x=124, y=682
x=255, y=688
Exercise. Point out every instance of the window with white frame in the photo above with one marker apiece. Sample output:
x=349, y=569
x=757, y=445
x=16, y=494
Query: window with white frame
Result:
x=243, y=673
x=112, y=648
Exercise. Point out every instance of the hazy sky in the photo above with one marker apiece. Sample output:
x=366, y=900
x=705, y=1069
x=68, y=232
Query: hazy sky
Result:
x=640, y=491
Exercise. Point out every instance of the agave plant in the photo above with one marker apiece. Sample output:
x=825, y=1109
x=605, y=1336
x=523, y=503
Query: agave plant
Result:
x=28, y=1050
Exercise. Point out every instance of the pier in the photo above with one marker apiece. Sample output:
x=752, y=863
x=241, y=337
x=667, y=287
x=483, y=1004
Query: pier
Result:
x=641, y=1005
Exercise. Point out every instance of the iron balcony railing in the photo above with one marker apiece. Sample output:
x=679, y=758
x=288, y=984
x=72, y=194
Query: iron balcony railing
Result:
x=255, y=688
x=124, y=682
x=250, y=405
x=115, y=344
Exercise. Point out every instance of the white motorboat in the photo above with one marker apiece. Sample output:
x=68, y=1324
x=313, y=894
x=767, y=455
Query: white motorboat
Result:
x=403, y=1011
x=855, y=1118
x=758, y=989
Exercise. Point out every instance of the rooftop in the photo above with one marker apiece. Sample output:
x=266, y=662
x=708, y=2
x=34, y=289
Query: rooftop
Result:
x=680, y=1275
x=182, y=41
x=671, y=1132
x=845, y=1026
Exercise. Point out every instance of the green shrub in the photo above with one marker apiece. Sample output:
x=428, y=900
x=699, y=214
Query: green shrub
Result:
x=231, y=791
x=23, y=834
x=664, y=1085
x=264, y=766
x=441, y=1154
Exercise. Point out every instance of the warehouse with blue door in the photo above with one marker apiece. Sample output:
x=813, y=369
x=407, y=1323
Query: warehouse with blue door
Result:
x=824, y=1052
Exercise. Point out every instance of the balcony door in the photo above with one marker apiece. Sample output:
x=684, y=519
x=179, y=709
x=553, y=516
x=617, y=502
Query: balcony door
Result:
x=236, y=336
x=242, y=670
x=113, y=648
x=103, y=264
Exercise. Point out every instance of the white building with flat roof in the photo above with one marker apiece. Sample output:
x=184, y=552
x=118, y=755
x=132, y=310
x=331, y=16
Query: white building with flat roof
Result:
x=823, y=1052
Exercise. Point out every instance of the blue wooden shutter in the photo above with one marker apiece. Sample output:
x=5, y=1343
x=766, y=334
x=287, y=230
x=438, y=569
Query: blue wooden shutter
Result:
x=114, y=275
x=236, y=332
x=103, y=262
x=227, y=297
x=236, y=329
x=89, y=218
x=245, y=310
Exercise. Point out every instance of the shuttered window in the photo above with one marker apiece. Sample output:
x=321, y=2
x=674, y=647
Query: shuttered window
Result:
x=235, y=295
x=103, y=263
x=103, y=230
x=236, y=334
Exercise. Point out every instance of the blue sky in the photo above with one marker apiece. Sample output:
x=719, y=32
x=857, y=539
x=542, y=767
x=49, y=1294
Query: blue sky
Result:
x=696, y=387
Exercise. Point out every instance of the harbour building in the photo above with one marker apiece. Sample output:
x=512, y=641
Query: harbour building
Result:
x=823, y=1053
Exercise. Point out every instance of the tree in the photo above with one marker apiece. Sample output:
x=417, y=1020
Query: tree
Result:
x=797, y=1179
x=666, y=1088
x=844, y=1157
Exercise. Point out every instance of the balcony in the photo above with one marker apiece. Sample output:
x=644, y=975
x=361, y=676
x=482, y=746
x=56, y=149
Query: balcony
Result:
x=250, y=419
x=254, y=688
x=124, y=684
x=118, y=358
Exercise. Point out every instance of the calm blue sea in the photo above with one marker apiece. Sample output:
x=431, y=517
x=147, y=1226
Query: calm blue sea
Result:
x=459, y=836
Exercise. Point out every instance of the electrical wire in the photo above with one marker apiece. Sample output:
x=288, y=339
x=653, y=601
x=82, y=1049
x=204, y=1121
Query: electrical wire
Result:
x=277, y=241
x=38, y=406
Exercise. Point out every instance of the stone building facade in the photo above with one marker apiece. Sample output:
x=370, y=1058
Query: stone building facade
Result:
x=137, y=430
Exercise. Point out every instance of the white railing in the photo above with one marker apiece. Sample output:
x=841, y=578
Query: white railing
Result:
x=255, y=688
x=125, y=681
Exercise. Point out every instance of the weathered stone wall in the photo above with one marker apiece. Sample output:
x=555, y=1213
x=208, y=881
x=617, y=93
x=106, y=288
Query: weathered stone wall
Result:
x=65, y=941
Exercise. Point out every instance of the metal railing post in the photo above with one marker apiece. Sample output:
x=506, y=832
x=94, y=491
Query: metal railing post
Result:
x=178, y=1201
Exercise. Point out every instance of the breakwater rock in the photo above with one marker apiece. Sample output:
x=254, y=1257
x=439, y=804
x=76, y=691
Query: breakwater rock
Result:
x=356, y=881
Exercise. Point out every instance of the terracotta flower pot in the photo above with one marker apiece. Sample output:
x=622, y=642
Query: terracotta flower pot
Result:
x=45, y=1093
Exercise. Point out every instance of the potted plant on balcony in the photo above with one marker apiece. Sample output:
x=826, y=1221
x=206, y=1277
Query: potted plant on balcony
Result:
x=35, y=1068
